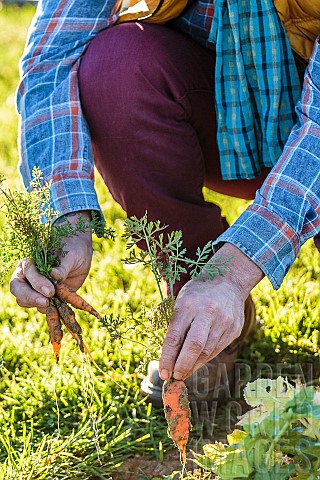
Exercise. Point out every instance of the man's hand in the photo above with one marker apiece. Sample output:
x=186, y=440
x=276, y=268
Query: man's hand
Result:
x=34, y=290
x=209, y=316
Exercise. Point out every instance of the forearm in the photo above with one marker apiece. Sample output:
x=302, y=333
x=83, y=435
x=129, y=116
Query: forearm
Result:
x=85, y=235
x=54, y=135
x=286, y=211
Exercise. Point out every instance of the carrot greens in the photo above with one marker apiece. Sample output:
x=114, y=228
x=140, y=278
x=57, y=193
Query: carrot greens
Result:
x=166, y=255
x=30, y=232
x=162, y=251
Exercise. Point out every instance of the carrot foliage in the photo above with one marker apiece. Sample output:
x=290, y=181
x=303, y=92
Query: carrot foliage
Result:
x=30, y=232
x=154, y=246
x=29, y=229
x=166, y=255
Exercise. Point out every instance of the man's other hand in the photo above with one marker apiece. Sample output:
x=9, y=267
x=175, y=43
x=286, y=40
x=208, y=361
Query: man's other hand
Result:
x=209, y=316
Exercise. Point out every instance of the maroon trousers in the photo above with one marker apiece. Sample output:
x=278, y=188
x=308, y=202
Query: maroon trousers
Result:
x=147, y=93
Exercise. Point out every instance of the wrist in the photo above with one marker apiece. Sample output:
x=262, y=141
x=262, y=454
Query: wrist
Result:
x=73, y=217
x=244, y=274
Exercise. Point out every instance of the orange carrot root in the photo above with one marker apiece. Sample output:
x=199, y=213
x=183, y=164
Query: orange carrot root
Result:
x=69, y=320
x=177, y=413
x=55, y=331
x=85, y=348
x=68, y=295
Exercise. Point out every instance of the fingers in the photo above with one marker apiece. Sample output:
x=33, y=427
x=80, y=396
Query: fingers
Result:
x=38, y=282
x=173, y=341
x=59, y=273
x=67, y=265
x=208, y=318
x=192, y=348
x=188, y=333
x=42, y=310
x=29, y=287
x=217, y=340
x=212, y=349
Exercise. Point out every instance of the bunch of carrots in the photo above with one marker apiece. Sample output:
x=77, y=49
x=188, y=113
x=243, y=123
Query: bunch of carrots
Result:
x=30, y=231
x=60, y=312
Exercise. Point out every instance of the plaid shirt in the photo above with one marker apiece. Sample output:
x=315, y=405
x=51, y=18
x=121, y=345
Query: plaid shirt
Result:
x=54, y=134
x=286, y=210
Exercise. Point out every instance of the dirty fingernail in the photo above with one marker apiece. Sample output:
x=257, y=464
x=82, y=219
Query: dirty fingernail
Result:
x=177, y=375
x=46, y=291
x=56, y=274
x=164, y=374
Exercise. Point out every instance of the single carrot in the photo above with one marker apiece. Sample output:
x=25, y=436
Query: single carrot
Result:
x=55, y=331
x=68, y=295
x=85, y=348
x=177, y=413
x=68, y=318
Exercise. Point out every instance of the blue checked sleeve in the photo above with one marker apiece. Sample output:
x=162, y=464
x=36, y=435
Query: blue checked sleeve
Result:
x=54, y=135
x=286, y=210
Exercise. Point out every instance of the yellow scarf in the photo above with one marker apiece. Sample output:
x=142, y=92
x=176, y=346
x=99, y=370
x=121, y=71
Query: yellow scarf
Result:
x=152, y=11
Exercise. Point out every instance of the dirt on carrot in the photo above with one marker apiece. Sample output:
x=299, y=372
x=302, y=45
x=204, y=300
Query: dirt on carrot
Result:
x=69, y=295
x=69, y=320
x=59, y=312
x=177, y=413
x=55, y=331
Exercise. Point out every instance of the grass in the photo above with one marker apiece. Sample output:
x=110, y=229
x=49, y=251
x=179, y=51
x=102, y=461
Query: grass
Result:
x=73, y=421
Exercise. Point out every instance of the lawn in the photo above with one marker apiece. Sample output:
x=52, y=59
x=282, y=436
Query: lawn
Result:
x=77, y=421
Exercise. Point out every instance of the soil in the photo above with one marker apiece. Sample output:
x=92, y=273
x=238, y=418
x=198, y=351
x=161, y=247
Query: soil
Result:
x=139, y=468
x=142, y=468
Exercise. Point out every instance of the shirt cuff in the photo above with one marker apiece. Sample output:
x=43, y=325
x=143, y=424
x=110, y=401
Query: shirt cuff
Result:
x=73, y=192
x=267, y=239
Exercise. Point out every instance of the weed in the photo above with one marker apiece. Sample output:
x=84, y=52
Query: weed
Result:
x=280, y=436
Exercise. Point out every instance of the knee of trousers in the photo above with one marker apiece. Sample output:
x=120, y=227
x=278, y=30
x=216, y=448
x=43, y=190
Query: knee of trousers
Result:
x=125, y=69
